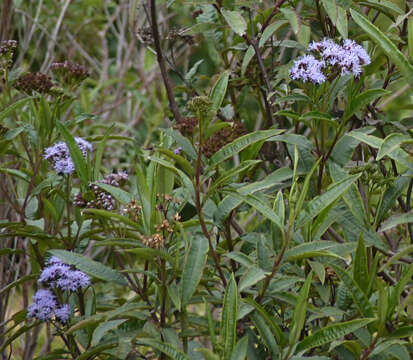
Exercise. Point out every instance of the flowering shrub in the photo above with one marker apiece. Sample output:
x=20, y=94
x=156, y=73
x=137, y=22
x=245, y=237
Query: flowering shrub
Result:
x=206, y=180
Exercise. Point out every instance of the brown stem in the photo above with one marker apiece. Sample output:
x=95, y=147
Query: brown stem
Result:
x=275, y=267
x=277, y=6
x=201, y=217
x=161, y=61
x=264, y=77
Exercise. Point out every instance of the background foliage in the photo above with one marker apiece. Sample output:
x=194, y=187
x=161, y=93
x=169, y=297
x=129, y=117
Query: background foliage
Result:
x=263, y=218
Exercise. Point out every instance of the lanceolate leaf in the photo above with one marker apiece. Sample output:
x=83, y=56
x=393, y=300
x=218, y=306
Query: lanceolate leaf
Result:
x=165, y=348
x=396, y=220
x=331, y=333
x=359, y=298
x=193, y=268
x=218, y=91
x=240, y=144
x=89, y=266
x=240, y=350
x=229, y=317
x=362, y=100
x=75, y=153
x=361, y=271
x=390, y=49
x=121, y=195
x=235, y=21
x=315, y=206
x=300, y=311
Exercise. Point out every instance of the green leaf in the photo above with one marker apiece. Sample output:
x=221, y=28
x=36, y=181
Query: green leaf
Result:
x=269, y=319
x=75, y=153
x=359, y=297
x=390, y=196
x=121, y=195
x=331, y=333
x=240, y=350
x=389, y=48
x=104, y=328
x=396, y=220
x=316, y=205
x=165, y=348
x=99, y=152
x=207, y=354
x=240, y=144
x=361, y=271
x=228, y=175
x=292, y=17
x=300, y=311
x=304, y=190
x=250, y=278
x=391, y=143
x=410, y=37
x=262, y=208
x=362, y=100
x=270, y=30
x=90, y=353
x=91, y=267
x=402, y=252
x=337, y=16
x=194, y=265
x=180, y=160
x=229, y=317
x=15, y=106
x=266, y=334
x=249, y=54
x=352, y=197
x=395, y=297
x=219, y=90
x=235, y=21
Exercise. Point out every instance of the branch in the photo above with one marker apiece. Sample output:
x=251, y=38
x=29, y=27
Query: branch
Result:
x=161, y=61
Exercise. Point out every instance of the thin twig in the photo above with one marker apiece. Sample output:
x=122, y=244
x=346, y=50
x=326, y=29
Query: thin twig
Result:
x=161, y=61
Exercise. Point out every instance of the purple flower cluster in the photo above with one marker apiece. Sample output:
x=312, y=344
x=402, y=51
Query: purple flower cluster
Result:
x=56, y=274
x=61, y=275
x=60, y=155
x=45, y=306
x=347, y=58
x=308, y=68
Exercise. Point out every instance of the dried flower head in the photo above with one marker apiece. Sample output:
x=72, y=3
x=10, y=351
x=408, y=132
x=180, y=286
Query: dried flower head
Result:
x=145, y=36
x=60, y=155
x=187, y=125
x=7, y=50
x=223, y=137
x=68, y=73
x=34, y=82
x=101, y=198
x=155, y=241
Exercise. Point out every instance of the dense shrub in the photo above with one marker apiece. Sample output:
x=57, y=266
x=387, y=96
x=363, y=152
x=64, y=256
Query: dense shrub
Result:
x=206, y=180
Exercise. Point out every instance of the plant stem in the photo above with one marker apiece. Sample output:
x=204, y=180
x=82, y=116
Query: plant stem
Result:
x=161, y=61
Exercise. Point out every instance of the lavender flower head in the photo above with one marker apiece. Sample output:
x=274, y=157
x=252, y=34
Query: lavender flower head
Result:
x=332, y=57
x=73, y=280
x=63, y=313
x=59, y=153
x=348, y=57
x=178, y=150
x=61, y=275
x=308, y=68
x=44, y=303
